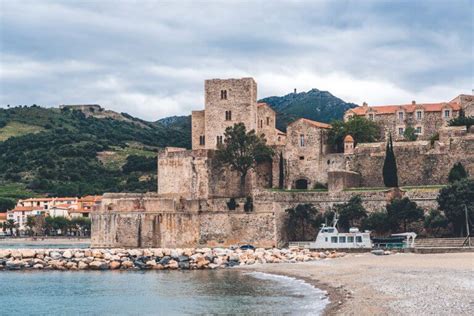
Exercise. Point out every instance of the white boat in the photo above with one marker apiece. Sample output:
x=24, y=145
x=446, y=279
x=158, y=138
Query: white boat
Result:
x=329, y=238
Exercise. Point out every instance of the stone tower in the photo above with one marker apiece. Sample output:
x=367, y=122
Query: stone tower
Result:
x=227, y=102
x=348, y=145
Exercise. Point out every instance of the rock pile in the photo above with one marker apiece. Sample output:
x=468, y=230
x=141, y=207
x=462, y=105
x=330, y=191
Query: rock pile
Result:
x=157, y=259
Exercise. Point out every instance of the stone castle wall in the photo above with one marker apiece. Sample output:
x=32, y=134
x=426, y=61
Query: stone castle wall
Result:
x=149, y=220
x=418, y=163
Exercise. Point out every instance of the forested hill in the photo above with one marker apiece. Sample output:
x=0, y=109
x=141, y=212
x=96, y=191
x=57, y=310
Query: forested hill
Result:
x=59, y=152
x=315, y=105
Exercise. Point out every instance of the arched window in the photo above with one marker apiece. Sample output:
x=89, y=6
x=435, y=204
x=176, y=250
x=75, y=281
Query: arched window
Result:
x=301, y=184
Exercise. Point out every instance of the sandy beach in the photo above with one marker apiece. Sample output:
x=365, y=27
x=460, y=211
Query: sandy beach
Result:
x=45, y=240
x=399, y=284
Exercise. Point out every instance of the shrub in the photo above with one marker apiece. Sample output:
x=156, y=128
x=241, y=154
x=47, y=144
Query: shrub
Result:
x=457, y=173
x=232, y=204
x=409, y=134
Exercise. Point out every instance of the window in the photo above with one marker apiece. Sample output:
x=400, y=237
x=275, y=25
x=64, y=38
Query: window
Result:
x=219, y=140
x=371, y=117
x=418, y=130
x=419, y=115
x=325, y=239
x=301, y=157
x=334, y=239
x=268, y=121
x=261, y=123
x=358, y=238
x=330, y=230
x=447, y=113
x=228, y=115
x=342, y=239
x=302, y=143
x=350, y=239
x=223, y=94
x=400, y=131
x=400, y=116
x=202, y=140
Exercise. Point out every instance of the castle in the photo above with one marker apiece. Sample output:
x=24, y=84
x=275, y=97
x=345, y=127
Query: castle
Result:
x=191, y=205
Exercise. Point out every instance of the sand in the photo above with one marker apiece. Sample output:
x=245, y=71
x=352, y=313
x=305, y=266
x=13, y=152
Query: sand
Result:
x=398, y=284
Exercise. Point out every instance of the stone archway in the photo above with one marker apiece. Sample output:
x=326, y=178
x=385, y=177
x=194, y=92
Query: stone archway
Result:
x=301, y=184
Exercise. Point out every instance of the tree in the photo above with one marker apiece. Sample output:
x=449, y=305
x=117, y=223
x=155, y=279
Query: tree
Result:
x=351, y=213
x=402, y=212
x=454, y=200
x=457, y=173
x=6, y=204
x=281, y=169
x=242, y=151
x=409, y=134
x=377, y=222
x=361, y=129
x=10, y=224
x=435, y=221
x=30, y=223
x=390, y=177
x=300, y=219
x=462, y=120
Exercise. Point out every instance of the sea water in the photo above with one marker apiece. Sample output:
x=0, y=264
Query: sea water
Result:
x=223, y=291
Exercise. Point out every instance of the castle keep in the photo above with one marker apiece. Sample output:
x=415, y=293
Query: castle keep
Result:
x=191, y=205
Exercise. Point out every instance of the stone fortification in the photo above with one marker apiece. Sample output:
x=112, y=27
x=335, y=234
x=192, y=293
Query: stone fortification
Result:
x=148, y=220
x=419, y=162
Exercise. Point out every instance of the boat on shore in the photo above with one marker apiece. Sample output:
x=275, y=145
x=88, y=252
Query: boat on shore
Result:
x=330, y=238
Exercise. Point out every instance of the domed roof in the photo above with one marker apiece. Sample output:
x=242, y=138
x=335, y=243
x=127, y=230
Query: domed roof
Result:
x=348, y=139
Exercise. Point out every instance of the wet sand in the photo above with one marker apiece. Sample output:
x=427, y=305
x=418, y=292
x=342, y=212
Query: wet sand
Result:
x=399, y=284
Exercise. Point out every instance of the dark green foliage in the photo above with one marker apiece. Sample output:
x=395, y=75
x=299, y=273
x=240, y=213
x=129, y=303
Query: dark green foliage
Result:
x=453, y=200
x=232, y=204
x=315, y=105
x=377, y=222
x=76, y=226
x=462, y=120
x=457, y=173
x=409, y=134
x=242, y=151
x=435, y=222
x=248, y=205
x=390, y=176
x=6, y=204
x=360, y=128
x=351, y=213
x=402, y=212
x=434, y=138
x=301, y=220
x=281, y=172
x=140, y=163
x=62, y=160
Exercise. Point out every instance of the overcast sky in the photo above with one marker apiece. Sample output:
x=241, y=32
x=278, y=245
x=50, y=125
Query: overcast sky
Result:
x=150, y=58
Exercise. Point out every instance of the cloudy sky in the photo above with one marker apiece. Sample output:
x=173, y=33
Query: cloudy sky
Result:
x=150, y=58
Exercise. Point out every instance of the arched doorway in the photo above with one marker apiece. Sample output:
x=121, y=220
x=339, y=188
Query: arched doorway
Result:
x=301, y=184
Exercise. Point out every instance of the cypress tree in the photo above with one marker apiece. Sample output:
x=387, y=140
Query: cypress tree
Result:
x=390, y=177
x=281, y=183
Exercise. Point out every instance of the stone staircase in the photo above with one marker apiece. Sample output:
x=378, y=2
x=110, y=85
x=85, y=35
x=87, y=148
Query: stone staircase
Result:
x=439, y=242
x=442, y=242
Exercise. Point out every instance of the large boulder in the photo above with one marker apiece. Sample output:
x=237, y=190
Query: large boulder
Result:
x=28, y=253
x=114, y=265
x=98, y=265
x=67, y=254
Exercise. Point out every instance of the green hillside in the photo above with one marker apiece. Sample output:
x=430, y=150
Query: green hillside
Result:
x=315, y=105
x=48, y=151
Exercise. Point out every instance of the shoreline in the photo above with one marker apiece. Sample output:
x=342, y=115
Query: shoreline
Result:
x=364, y=284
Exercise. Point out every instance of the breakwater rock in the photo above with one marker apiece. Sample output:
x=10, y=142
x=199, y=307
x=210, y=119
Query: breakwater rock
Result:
x=157, y=259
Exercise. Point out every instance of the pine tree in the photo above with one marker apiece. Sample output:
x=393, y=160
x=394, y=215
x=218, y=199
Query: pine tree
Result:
x=390, y=177
x=281, y=179
x=457, y=173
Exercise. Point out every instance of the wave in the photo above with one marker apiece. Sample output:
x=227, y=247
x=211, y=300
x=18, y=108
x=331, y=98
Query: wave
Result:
x=310, y=299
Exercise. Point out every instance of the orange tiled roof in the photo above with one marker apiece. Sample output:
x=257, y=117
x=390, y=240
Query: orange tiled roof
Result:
x=37, y=200
x=3, y=216
x=314, y=123
x=25, y=208
x=390, y=109
x=348, y=139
